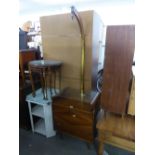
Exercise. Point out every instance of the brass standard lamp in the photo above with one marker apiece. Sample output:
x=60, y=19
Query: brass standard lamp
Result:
x=75, y=14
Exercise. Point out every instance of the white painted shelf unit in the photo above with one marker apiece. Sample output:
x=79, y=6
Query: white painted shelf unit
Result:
x=43, y=110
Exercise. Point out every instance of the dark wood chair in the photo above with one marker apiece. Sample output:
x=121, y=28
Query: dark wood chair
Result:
x=25, y=56
x=25, y=86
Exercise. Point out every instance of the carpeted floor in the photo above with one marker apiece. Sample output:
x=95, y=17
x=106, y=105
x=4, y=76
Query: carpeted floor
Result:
x=35, y=144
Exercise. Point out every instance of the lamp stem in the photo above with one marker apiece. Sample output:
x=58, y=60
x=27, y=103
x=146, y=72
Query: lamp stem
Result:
x=76, y=14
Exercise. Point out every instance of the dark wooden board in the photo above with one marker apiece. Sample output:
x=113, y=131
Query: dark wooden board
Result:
x=120, y=46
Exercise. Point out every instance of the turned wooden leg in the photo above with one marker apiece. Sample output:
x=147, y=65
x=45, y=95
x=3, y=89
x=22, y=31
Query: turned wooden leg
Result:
x=59, y=79
x=45, y=83
x=46, y=76
x=42, y=82
x=54, y=81
x=32, y=82
x=50, y=80
x=101, y=148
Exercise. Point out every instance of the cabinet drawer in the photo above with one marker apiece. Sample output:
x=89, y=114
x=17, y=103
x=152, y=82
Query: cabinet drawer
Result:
x=73, y=104
x=76, y=123
x=69, y=108
x=84, y=132
x=73, y=116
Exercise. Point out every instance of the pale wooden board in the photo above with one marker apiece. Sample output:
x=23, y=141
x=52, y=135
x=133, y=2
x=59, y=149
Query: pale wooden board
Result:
x=61, y=41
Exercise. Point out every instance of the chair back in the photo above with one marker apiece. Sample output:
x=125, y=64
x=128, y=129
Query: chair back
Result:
x=24, y=58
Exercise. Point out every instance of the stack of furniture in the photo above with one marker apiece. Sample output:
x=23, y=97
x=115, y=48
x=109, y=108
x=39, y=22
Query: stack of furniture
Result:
x=39, y=101
x=116, y=125
x=74, y=112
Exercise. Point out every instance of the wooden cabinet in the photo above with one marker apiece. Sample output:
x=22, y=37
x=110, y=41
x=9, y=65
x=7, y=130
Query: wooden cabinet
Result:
x=120, y=46
x=74, y=115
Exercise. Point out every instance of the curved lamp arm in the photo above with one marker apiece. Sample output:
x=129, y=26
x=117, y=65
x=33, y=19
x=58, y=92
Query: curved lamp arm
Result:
x=75, y=13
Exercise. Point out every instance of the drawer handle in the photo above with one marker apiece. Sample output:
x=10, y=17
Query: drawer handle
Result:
x=74, y=116
x=71, y=107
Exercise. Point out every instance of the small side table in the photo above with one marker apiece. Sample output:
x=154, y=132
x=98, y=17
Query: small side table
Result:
x=45, y=68
x=42, y=109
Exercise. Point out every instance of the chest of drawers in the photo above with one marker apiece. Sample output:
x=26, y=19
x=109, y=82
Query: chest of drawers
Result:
x=75, y=115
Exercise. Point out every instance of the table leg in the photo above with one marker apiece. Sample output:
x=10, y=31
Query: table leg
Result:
x=45, y=84
x=46, y=76
x=42, y=82
x=59, y=79
x=50, y=80
x=55, y=81
x=101, y=148
x=32, y=82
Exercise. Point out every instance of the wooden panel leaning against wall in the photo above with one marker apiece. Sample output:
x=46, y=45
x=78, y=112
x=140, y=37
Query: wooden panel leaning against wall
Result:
x=120, y=45
x=62, y=41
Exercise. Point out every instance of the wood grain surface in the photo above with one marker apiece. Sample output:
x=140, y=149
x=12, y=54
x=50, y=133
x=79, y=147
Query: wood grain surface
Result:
x=120, y=46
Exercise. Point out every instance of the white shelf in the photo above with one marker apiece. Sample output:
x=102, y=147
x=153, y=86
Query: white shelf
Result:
x=39, y=127
x=43, y=110
x=38, y=111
